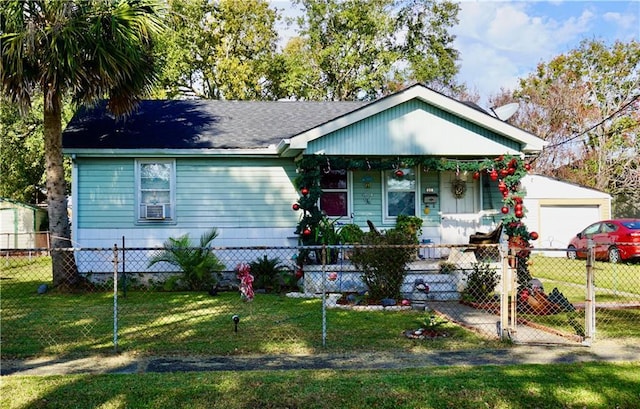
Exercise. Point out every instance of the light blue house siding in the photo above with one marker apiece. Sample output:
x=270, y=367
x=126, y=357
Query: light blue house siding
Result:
x=368, y=195
x=406, y=129
x=240, y=197
x=105, y=193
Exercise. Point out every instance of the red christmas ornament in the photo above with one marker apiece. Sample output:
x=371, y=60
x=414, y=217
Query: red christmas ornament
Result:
x=502, y=186
x=304, y=191
x=493, y=175
x=295, y=206
x=476, y=175
x=519, y=214
x=299, y=273
x=533, y=235
x=527, y=167
x=504, y=210
x=399, y=173
x=306, y=231
x=504, y=172
x=518, y=207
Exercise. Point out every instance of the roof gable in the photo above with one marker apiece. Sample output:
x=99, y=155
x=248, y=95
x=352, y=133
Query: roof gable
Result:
x=413, y=128
x=449, y=119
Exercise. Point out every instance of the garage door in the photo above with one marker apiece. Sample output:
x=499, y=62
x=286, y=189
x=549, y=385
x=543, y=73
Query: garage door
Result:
x=558, y=224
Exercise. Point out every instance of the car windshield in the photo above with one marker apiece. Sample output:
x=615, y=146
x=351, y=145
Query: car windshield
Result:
x=632, y=224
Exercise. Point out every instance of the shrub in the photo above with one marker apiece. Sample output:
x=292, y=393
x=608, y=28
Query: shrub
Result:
x=383, y=261
x=350, y=233
x=480, y=283
x=269, y=273
x=199, y=265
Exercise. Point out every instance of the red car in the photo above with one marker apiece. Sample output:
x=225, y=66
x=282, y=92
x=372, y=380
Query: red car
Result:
x=614, y=240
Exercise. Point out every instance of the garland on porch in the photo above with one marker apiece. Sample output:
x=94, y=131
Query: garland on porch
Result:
x=506, y=170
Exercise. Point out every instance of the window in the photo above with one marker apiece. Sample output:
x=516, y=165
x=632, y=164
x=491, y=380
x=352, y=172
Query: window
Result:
x=400, y=191
x=155, y=185
x=334, y=199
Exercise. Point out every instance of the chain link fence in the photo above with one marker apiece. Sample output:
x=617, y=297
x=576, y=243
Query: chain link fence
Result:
x=306, y=299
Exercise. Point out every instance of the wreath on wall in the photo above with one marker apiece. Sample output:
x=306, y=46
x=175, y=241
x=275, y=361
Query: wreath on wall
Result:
x=459, y=188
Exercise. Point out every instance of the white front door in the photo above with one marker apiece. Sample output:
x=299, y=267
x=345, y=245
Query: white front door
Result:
x=460, y=206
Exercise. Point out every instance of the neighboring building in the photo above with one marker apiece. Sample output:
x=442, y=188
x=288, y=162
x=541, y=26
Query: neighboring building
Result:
x=559, y=210
x=22, y=226
x=174, y=167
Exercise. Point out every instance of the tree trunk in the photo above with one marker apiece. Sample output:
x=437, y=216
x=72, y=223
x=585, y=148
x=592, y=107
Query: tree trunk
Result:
x=65, y=271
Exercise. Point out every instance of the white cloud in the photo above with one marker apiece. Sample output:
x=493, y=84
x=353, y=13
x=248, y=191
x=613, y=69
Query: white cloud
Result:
x=502, y=41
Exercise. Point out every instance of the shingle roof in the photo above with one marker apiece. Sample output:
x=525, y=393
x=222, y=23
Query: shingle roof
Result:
x=199, y=124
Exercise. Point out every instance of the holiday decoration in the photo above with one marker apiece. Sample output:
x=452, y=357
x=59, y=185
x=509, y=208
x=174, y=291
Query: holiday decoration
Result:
x=458, y=188
x=533, y=235
x=508, y=169
x=295, y=206
x=333, y=276
x=246, y=281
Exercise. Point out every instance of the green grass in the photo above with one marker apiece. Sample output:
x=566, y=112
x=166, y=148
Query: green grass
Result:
x=614, y=281
x=164, y=323
x=583, y=385
x=157, y=323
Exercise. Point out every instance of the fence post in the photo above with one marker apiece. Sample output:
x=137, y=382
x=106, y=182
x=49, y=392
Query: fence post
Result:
x=324, y=295
x=590, y=302
x=507, y=302
x=115, y=298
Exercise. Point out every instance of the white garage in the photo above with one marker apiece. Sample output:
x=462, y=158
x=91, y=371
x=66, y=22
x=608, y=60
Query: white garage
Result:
x=558, y=210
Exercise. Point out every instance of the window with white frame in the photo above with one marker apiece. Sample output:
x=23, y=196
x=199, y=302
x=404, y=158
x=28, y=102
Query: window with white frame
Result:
x=156, y=189
x=400, y=192
x=334, y=200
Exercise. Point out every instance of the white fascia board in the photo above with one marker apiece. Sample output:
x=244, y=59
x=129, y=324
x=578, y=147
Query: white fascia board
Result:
x=530, y=142
x=261, y=152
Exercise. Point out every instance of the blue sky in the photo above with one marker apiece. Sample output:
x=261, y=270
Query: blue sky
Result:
x=501, y=41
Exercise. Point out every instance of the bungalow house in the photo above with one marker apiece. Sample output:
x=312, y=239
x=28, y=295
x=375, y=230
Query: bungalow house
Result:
x=174, y=167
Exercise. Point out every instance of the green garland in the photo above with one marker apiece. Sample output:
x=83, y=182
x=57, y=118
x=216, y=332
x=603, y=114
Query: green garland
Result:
x=507, y=170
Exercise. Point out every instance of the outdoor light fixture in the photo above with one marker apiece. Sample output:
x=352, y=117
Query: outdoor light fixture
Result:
x=236, y=320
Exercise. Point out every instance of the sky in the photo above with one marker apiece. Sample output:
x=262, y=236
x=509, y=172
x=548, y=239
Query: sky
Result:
x=502, y=41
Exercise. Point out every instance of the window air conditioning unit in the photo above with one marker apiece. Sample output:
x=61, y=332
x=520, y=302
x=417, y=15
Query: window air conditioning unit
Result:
x=154, y=212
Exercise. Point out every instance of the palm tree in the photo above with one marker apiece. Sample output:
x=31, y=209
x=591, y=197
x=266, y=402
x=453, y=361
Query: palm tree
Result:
x=199, y=265
x=89, y=49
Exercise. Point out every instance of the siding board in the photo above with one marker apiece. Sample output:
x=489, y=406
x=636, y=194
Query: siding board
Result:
x=209, y=192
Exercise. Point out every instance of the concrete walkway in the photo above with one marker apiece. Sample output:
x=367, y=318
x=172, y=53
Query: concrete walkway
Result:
x=488, y=324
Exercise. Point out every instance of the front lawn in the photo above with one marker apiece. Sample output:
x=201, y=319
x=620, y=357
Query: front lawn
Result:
x=585, y=385
x=154, y=322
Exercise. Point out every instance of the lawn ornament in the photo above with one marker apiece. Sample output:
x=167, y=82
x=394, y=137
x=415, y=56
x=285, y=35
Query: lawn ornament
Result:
x=246, y=281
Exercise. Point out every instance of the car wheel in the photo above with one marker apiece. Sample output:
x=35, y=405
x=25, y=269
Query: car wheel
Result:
x=614, y=255
x=571, y=253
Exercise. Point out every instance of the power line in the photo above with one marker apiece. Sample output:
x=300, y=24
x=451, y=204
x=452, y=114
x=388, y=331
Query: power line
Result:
x=596, y=125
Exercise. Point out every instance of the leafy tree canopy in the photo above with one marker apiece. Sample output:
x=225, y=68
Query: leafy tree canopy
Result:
x=364, y=49
x=586, y=104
